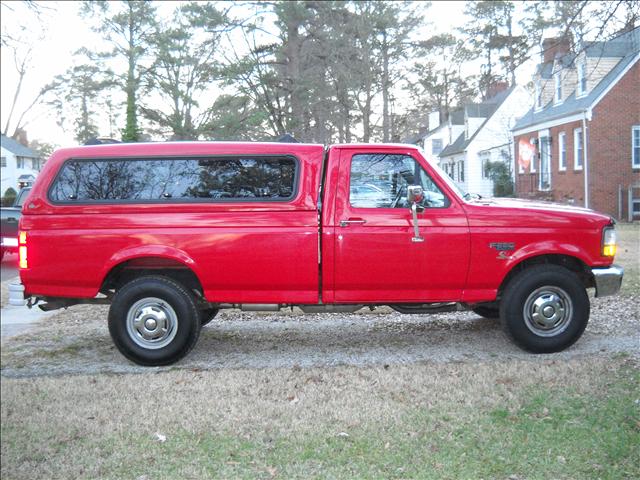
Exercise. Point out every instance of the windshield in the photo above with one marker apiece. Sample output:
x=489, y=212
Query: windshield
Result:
x=444, y=176
x=24, y=193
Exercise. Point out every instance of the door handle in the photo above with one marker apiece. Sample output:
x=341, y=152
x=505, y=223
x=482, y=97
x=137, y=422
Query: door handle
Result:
x=345, y=223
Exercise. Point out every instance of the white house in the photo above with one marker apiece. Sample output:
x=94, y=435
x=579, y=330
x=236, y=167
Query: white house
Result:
x=438, y=135
x=486, y=137
x=17, y=164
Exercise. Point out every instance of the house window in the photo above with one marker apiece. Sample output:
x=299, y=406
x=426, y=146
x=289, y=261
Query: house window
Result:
x=558, y=87
x=20, y=162
x=544, y=179
x=534, y=157
x=485, y=158
x=3, y=161
x=461, y=171
x=578, y=149
x=436, y=146
x=635, y=146
x=538, y=95
x=582, y=79
x=562, y=151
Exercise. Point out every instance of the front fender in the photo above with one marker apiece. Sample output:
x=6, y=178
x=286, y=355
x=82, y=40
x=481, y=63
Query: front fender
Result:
x=548, y=247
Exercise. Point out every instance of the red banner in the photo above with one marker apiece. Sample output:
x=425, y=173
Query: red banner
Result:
x=526, y=152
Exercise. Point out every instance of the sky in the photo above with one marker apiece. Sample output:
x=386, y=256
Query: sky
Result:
x=59, y=30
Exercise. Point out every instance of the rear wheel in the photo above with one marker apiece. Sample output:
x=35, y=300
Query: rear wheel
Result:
x=153, y=321
x=545, y=309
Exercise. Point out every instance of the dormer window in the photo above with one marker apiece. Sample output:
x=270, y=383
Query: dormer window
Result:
x=582, y=79
x=538, y=94
x=558, y=87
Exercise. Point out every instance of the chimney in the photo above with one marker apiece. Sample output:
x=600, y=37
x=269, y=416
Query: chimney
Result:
x=434, y=120
x=495, y=88
x=555, y=47
x=20, y=136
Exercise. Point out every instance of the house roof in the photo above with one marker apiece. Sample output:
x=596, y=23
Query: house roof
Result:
x=617, y=47
x=413, y=139
x=456, y=117
x=457, y=146
x=572, y=105
x=485, y=109
x=16, y=148
x=545, y=70
x=488, y=108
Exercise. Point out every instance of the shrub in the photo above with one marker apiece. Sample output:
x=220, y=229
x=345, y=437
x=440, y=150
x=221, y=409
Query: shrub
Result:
x=9, y=197
x=500, y=173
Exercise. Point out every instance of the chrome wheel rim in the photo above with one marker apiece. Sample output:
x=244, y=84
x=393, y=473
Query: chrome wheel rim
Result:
x=152, y=323
x=548, y=311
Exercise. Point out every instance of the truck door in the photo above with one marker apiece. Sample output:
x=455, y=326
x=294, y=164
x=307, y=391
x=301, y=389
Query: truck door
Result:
x=377, y=258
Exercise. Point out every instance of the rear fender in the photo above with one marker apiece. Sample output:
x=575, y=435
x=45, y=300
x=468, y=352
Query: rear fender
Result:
x=146, y=251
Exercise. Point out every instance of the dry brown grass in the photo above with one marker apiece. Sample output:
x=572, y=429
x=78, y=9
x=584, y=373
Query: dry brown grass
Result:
x=46, y=419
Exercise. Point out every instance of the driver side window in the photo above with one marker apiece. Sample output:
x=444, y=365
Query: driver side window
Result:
x=381, y=181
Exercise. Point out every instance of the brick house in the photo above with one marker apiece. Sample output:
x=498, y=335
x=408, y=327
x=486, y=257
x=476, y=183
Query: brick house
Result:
x=580, y=143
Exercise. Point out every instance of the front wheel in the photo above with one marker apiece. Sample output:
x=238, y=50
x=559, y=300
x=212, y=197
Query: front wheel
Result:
x=545, y=309
x=154, y=321
x=207, y=315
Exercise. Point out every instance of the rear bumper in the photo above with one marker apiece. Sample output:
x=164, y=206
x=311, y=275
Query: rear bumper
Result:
x=16, y=294
x=608, y=280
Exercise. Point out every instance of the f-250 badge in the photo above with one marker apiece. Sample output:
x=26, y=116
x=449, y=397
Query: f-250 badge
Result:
x=503, y=248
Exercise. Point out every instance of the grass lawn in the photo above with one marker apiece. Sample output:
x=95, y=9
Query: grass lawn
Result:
x=525, y=420
x=629, y=256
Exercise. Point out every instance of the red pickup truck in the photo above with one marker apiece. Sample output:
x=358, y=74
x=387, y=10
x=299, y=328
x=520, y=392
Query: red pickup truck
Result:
x=169, y=233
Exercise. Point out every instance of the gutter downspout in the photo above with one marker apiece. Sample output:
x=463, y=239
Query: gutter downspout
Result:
x=585, y=157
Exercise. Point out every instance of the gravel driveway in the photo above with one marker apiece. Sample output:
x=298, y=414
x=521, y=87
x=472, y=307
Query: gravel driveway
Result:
x=77, y=341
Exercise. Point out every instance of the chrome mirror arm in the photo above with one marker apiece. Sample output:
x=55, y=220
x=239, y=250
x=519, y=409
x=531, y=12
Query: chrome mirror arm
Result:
x=416, y=230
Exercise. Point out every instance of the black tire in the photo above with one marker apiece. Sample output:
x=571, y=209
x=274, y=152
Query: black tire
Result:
x=207, y=315
x=155, y=299
x=486, y=311
x=535, y=290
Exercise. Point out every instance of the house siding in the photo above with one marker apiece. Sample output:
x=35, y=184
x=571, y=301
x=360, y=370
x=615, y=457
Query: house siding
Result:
x=610, y=144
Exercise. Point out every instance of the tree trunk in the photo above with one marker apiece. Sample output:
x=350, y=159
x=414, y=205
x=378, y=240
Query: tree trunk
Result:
x=385, y=89
x=292, y=53
x=131, y=132
x=21, y=73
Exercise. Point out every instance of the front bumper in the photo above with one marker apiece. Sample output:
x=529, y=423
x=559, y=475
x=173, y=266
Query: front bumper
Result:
x=608, y=280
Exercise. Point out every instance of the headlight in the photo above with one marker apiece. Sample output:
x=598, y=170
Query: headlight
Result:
x=609, y=242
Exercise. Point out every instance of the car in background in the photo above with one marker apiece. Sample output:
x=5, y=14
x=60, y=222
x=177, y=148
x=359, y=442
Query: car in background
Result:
x=9, y=219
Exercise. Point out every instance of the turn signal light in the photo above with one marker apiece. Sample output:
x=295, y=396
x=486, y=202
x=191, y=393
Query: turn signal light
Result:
x=22, y=250
x=609, y=242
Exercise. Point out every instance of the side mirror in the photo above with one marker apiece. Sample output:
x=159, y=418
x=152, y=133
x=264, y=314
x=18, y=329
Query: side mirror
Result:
x=415, y=194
